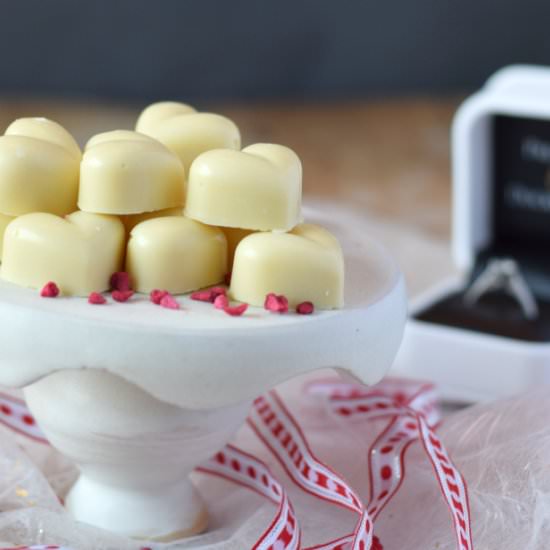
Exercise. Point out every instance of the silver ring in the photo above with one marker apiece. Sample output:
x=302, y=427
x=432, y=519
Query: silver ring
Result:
x=504, y=274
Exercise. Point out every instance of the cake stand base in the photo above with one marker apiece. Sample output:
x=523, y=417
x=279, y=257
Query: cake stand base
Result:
x=134, y=452
x=177, y=506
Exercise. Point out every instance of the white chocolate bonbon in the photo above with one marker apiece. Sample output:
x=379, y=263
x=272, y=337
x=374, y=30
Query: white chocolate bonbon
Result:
x=186, y=132
x=79, y=253
x=155, y=113
x=4, y=221
x=258, y=188
x=234, y=236
x=125, y=172
x=39, y=163
x=45, y=130
x=175, y=254
x=132, y=220
x=306, y=264
x=117, y=135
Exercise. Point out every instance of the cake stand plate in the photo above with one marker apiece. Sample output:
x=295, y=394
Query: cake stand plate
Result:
x=127, y=389
x=199, y=357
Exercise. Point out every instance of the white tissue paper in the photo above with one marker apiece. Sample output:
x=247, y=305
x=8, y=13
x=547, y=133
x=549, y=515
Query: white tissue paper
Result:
x=502, y=450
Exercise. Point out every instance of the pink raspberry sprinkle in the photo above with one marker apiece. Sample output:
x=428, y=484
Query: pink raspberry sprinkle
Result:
x=202, y=296
x=276, y=303
x=305, y=308
x=236, y=311
x=218, y=291
x=120, y=281
x=49, y=290
x=96, y=298
x=169, y=302
x=157, y=295
x=221, y=302
x=122, y=295
x=208, y=295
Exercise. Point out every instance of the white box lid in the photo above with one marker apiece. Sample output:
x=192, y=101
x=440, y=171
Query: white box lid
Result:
x=520, y=90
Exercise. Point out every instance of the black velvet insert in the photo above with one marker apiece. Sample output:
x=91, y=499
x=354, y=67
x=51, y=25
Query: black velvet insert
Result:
x=495, y=313
x=520, y=183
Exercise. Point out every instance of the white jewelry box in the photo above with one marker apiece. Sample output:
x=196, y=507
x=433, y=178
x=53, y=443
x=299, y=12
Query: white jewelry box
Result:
x=501, y=208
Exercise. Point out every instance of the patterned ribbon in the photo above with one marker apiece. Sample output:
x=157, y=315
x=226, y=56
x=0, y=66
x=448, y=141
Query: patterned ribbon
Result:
x=412, y=414
x=244, y=469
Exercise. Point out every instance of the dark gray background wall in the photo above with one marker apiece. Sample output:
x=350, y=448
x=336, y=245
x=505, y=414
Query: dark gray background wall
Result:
x=242, y=49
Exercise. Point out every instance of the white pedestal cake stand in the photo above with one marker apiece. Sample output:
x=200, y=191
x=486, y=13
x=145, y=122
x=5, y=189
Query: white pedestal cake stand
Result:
x=138, y=395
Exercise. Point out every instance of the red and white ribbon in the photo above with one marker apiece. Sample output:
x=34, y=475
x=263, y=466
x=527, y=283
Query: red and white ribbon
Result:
x=412, y=413
x=15, y=415
x=244, y=469
x=282, y=435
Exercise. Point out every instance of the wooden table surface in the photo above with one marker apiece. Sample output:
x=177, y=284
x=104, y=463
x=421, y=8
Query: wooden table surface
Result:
x=389, y=159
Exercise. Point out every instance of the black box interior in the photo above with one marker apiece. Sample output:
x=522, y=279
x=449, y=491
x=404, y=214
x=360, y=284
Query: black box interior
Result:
x=520, y=217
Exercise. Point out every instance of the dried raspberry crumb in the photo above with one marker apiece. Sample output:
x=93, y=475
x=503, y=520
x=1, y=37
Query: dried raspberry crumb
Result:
x=221, y=302
x=208, y=295
x=376, y=544
x=218, y=291
x=120, y=281
x=202, y=296
x=305, y=308
x=122, y=295
x=236, y=311
x=96, y=298
x=169, y=302
x=276, y=303
x=157, y=295
x=49, y=290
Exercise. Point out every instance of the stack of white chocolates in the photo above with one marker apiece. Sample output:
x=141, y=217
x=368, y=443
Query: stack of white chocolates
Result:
x=175, y=204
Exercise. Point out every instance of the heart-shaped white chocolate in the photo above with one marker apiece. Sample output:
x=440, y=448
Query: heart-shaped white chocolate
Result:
x=258, y=188
x=175, y=254
x=124, y=172
x=39, y=163
x=4, y=221
x=118, y=135
x=46, y=130
x=186, y=132
x=79, y=253
x=305, y=265
x=234, y=236
x=132, y=220
x=160, y=111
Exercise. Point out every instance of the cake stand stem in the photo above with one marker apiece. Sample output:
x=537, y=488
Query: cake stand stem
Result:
x=134, y=452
